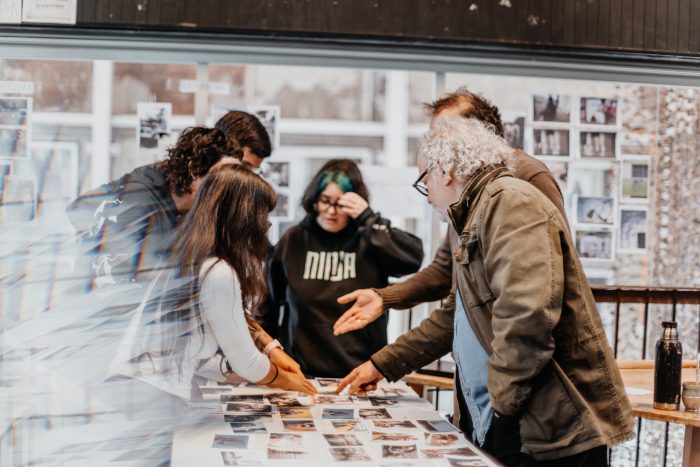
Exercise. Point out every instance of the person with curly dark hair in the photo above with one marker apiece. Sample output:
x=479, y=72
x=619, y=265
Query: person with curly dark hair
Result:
x=250, y=134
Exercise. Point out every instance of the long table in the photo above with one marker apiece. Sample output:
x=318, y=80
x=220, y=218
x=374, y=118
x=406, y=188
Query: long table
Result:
x=253, y=425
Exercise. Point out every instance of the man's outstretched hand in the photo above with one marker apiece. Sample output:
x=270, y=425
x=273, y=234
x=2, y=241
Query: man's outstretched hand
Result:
x=368, y=306
x=362, y=379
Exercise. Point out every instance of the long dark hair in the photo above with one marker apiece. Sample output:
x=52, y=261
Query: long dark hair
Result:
x=247, y=130
x=229, y=221
x=343, y=172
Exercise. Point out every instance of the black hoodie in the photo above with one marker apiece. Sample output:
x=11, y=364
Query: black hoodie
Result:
x=310, y=268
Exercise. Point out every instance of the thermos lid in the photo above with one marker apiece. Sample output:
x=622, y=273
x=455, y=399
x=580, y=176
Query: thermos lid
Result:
x=669, y=324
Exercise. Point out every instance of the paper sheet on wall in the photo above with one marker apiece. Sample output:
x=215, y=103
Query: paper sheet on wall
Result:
x=49, y=11
x=391, y=191
x=11, y=11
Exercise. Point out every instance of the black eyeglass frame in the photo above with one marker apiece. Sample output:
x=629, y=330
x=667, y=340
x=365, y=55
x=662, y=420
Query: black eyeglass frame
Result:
x=419, y=186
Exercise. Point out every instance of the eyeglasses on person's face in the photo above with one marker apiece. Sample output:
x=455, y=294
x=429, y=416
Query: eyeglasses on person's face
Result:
x=325, y=204
x=419, y=185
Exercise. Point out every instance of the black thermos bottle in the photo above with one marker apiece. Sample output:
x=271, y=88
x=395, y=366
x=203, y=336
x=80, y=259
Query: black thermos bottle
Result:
x=667, y=369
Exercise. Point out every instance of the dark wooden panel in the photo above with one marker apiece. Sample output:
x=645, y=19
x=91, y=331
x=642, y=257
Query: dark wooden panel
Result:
x=661, y=32
x=86, y=11
x=683, y=26
x=671, y=20
x=694, y=36
x=603, y=39
x=637, y=25
x=649, y=36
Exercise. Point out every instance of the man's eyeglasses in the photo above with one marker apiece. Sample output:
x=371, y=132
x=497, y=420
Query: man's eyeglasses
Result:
x=421, y=187
x=325, y=204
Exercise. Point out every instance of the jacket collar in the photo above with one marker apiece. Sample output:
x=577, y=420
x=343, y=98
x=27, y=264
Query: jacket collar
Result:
x=459, y=211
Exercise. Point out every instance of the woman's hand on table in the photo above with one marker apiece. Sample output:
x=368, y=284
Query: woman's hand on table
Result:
x=362, y=379
x=292, y=382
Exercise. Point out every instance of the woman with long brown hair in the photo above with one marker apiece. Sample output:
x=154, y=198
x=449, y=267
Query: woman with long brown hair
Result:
x=222, y=245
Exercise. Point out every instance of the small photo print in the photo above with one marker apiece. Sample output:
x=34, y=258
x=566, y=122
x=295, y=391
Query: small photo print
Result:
x=13, y=143
x=335, y=439
x=17, y=199
x=274, y=453
x=395, y=392
x=400, y=452
x=382, y=436
x=295, y=412
x=551, y=108
x=327, y=399
x=550, y=142
x=435, y=453
x=245, y=408
x=240, y=458
x=394, y=424
x=232, y=418
x=14, y=111
x=285, y=440
x=269, y=116
x=514, y=129
x=208, y=391
x=465, y=462
x=283, y=400
x=440, y=439
x=633, y=229
x=276, y=173
x=255, y=399
x=595, y=210
x=560, y=171
x=441, y=426
x=599, y=144
x=249, y=428
x=324, y=382
x=299, y=425
x=338, y=413
x=594, y=244
x=372, y=414
x=282, y=208
x=154, y=122
x=598, y=111
x=638, y=143
x=230, y=441
x=348, y=425
x=349, y=454
x=635, y=180
x=382, y=401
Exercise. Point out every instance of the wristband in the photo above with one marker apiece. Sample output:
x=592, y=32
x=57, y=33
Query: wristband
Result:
x=277, y=372
x=272, y=345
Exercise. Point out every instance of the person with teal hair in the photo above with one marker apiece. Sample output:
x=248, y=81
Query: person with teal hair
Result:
x=341, y=245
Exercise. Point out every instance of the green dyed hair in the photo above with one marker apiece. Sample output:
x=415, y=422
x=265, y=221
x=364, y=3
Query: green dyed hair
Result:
x=344, y=173
x=339, y=178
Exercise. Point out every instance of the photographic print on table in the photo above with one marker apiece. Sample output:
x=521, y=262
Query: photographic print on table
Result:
x=394, y=424
x=599, y=111
x=382, y=436
x=154, y=123
x=436, y=453
x=440, y=439
x=395, y=392
x=441, y=426
x=234, y=418
x=601, y=144
x=400, y=451
x=298, y=425
x=552, y=108
x=594, y=244
x=17, y=199
x=248, y=408
x=334, y=439
x=331, y=414
x=599, y=210
x=250, y=428
x=634, y=180
x=269, y=116
x=276, y=173
x=372, y=414
x=230, y=441
x=349, y=454
x=329, y=381
x=249, y=458
x=283, y=400
x=295, y=412
x=281, y=440
x=14, y=143
x=274, y=453
x=377, y=401
x=514, y=129
x=633, y=230
x=560, y=171
x=348, y=425
x=329, y=399
x=14, y=111
x=252, y=398
x=466, y=462
x=550, y=142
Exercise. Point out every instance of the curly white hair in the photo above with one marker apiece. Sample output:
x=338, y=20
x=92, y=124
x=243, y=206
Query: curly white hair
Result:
x=462, y=146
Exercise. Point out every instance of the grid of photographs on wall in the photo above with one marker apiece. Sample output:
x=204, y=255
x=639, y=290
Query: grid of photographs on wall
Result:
x=15, y=127
x=602, y=171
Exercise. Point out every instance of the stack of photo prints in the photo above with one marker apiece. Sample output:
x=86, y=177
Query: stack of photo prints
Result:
x=601, y=168
x=391, y=426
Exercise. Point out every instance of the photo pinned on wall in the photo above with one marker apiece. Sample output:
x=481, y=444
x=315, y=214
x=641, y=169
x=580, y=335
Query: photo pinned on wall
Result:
x=599, y=210
x=551, y=108
x=594, y=244
x=599, y=144
x=276, y=173
x=551, y=142
x=560, y=170
x=14, y=111
x=639, y=143
x=594, y=177
x=17, y=199
x=14, y=143
x=514, y=129
x=269, y=116
x=634, y=180
x=599, y=111
x=154, y=123
x=633, y=230
x=283, y=211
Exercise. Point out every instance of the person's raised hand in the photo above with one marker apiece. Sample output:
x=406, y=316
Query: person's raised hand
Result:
x=362, y=379
x=368, y=307
x=284, y=361
x=292, y=382
x=352, y=204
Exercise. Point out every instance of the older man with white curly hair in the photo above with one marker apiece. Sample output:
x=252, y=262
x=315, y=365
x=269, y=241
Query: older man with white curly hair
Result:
x=536, y=380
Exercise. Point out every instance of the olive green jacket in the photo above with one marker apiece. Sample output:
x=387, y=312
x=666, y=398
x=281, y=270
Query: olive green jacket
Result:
x=530, y=306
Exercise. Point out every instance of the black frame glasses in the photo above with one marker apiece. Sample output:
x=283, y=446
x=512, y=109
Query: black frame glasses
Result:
x=421, y=187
